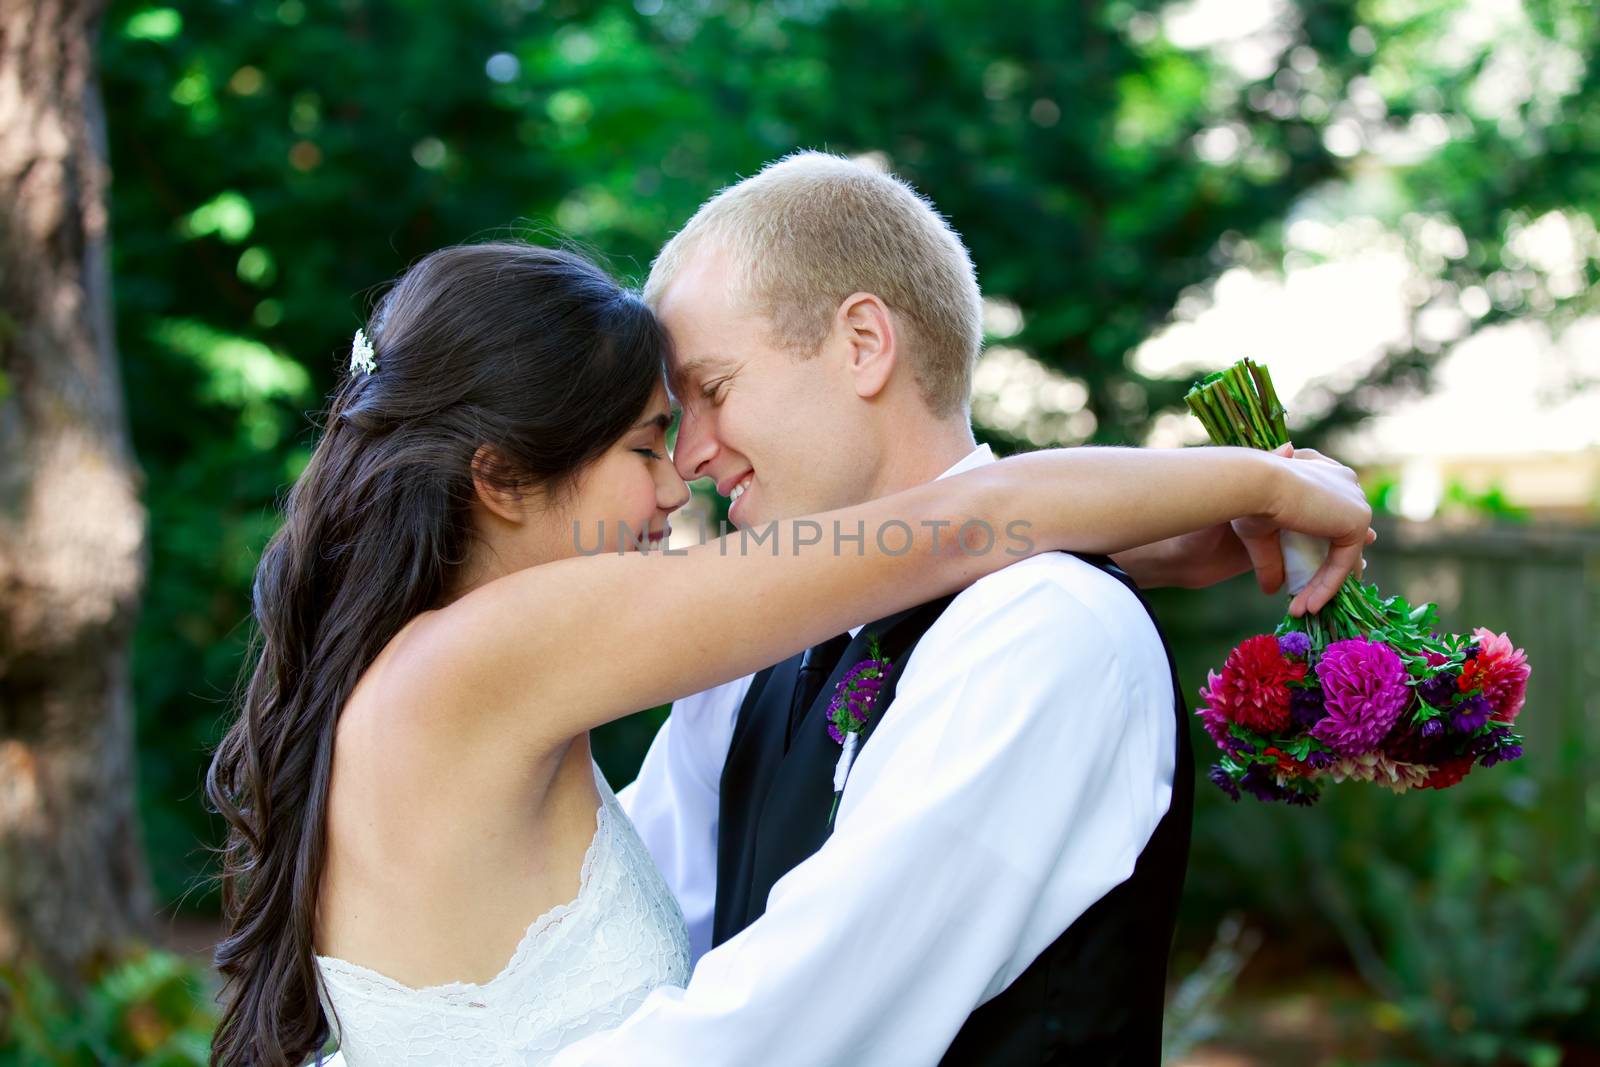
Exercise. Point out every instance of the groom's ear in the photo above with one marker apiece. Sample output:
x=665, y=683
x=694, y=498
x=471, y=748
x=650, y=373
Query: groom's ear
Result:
x=868, y=330
x=492, y=491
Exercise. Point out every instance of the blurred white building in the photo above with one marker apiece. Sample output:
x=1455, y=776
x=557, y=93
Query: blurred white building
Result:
x=1514, y=409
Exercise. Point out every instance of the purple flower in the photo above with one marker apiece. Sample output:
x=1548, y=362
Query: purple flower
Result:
x=1320, y=759
x=1500, y=754
x=1439, y=690
x=1432, y=729
x=856, y=695
x=1259, y=784
x=1495, y=737
x=1221, y=779
x=1471, y=714
x=1295, y=644
x=1365, y=688
x=1306, y=707
x=1480, y=744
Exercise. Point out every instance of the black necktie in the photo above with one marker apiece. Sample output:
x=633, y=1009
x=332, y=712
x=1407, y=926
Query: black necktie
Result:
x=815, y=666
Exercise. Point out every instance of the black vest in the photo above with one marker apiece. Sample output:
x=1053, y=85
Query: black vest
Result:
x=1094, y=996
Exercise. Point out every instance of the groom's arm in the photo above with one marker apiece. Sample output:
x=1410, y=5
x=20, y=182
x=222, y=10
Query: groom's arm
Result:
x=674, y=803
x=1021, y=769
x=1197, y=560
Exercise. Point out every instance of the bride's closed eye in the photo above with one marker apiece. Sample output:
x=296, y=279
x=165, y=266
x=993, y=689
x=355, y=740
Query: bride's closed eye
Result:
x=650, y=437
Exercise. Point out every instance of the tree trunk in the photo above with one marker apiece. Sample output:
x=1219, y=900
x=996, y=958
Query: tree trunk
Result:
x=72, y=880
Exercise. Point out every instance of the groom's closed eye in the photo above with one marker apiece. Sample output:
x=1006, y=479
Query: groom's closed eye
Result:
x=712, y=390
x=699, y=377
x=684, y=378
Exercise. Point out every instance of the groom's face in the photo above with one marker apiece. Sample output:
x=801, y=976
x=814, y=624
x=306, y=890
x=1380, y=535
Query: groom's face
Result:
x=782, y=435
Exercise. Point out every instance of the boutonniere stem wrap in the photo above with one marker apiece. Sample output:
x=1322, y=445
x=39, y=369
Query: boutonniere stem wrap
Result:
x=855, y=700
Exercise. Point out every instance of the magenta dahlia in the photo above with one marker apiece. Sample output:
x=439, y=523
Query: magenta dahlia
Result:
x=1364, y=690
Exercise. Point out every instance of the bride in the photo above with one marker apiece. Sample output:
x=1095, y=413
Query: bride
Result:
x=423, y=860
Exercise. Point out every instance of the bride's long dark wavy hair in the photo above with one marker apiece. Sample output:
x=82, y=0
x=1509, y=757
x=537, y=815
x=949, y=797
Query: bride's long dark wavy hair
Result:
x=535, y=352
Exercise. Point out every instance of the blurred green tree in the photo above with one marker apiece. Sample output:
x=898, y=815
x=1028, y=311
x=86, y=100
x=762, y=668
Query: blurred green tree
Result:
x=276, y=159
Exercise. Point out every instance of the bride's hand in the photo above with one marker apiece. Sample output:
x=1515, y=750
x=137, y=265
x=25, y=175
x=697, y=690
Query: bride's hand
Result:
x=1321, y=498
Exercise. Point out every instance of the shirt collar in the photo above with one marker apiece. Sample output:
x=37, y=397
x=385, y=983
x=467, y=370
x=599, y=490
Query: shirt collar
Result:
x=978, y=457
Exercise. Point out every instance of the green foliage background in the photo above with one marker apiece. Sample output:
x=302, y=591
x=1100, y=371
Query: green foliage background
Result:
x=275, y=160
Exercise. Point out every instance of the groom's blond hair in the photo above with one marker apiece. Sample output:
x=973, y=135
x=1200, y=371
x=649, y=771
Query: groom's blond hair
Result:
x=812, y=228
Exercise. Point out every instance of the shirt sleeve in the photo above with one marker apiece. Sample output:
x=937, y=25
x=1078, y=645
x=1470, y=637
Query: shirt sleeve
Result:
x=674, y=802
x=1021, y=769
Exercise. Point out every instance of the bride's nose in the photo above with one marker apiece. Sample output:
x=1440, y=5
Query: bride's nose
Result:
x=672, y=492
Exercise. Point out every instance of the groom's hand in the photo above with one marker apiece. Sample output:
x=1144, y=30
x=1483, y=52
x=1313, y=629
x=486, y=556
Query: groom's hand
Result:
x=1189, y=561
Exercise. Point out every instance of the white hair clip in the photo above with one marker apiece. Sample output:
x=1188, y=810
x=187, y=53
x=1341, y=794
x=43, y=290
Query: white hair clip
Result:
x=361, y=354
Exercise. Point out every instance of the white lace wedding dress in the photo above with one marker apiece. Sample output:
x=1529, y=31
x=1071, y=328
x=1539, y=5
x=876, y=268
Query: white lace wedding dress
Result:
x=580, y=968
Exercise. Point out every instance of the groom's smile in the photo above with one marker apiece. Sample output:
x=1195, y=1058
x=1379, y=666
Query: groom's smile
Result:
x=735, y=489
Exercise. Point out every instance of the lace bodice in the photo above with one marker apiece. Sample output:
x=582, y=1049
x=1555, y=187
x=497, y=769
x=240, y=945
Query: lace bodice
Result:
x=580, y=968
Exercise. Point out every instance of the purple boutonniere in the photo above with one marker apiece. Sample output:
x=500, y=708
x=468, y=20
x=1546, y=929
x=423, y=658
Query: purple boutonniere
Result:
x=855, y=699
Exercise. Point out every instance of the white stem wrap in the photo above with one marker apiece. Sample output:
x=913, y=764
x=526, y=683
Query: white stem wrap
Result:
x=847, y=757
x=1302, y=556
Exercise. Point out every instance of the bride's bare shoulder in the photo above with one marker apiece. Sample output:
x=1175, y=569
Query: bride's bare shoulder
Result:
x=417, y=682
x=441, y=676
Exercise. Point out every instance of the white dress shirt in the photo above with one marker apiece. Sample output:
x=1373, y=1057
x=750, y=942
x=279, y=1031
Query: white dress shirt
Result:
x=1013, y=781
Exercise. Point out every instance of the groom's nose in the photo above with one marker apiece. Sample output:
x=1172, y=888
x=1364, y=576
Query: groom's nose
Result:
x=695, y=446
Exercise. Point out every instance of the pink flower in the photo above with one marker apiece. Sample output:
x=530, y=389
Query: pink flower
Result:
x=1501, y=671
x=1211, y=716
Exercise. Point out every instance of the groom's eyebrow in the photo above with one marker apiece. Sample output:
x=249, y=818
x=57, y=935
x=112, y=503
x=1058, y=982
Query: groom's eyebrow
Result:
x=681, y=375
x=686, y=372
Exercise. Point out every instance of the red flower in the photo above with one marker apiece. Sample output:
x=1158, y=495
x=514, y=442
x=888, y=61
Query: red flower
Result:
x=1448, y=773
x=1287, y=764
x=1253, y=689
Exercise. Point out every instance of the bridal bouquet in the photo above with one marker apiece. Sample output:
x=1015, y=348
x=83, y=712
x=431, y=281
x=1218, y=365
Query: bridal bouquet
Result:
x=1366, y=689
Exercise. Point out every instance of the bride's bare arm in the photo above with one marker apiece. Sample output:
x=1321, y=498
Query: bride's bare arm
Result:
x=557, y=649
x=1205, y=557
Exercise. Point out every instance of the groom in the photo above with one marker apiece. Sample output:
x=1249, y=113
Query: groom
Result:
x=1000, y=882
